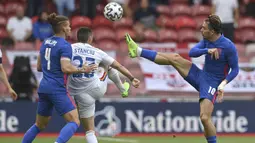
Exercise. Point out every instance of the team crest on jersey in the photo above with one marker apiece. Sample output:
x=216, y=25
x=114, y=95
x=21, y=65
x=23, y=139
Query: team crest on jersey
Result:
x=106, y=122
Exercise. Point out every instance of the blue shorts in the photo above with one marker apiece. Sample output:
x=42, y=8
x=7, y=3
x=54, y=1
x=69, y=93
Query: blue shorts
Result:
x=62, y=102
x=203, y=83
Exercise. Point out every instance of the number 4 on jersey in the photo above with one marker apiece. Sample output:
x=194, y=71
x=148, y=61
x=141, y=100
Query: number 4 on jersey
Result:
x=47, y=57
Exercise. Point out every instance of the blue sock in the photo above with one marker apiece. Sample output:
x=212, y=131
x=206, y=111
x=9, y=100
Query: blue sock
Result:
x=149, y=54
x=67, y=132
x=31, y=134
x=211, y=139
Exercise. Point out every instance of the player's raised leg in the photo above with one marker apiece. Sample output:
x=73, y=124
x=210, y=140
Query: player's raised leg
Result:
x=182, y=65
x=206, y=109
x=115, y=77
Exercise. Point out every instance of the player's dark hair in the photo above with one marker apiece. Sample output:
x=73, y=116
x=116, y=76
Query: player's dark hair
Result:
x=55, y=21
x=214, y=23
x=83, y=34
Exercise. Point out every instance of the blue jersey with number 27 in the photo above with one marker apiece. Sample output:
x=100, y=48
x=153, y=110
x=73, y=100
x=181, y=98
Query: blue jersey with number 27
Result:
x=51, y=52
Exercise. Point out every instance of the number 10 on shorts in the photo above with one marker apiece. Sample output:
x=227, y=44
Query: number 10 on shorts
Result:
x=211, y=90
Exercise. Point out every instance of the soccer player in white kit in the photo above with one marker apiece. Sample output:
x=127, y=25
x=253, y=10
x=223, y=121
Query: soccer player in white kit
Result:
x=87, y=88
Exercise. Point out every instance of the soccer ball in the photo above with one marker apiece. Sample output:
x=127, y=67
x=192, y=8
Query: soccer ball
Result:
x=113, y=11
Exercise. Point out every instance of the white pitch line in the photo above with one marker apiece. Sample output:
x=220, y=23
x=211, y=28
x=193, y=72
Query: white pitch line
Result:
x=120, y=140
x=123, y=140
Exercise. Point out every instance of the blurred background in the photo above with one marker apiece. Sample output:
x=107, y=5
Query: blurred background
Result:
x=164, y=103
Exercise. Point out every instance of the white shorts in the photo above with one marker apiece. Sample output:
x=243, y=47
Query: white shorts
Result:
x=86, y=100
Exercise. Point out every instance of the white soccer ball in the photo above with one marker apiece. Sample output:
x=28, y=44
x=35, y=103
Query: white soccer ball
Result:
x=113, y=11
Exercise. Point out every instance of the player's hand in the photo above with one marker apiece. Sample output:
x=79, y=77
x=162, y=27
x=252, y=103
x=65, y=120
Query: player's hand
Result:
x=221, y=90
x=220, y=96
x=214, y=53
x=13, y=94
x=89, y=68
x=135, y=82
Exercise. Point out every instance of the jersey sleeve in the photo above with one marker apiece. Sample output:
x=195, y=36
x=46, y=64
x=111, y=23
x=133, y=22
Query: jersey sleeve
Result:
x=106, y=59
x=198, y=50
x=232, y=58
x=66, y=51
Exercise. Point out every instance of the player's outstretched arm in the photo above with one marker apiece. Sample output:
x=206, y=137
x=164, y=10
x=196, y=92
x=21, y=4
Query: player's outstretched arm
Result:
x=125, y=72
x=4, y=79
x=198, y=50
x=68, y=68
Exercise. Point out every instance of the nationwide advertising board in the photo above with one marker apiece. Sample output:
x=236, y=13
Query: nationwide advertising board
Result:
x=114, y=118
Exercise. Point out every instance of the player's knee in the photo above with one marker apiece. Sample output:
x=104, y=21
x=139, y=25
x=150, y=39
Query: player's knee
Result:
x=41, y=126
x=204, y=118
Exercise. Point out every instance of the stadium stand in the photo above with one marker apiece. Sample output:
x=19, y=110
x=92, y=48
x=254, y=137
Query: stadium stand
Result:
x=178, y=23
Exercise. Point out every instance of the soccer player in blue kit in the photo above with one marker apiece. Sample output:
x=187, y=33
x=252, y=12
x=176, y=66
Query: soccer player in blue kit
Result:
x=220, y=56
x=55, y=61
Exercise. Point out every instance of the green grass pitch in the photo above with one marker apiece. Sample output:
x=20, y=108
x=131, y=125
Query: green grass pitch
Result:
x=154, y=139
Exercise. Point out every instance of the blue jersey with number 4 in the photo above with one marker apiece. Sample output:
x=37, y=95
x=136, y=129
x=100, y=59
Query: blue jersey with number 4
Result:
x=51, y=52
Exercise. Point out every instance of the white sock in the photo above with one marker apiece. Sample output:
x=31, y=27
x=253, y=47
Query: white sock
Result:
x=115, y=77
x=139, y=51
x=91, y=137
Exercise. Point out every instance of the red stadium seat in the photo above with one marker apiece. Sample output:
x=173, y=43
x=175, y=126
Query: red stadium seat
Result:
x=243, y=59
x=150, y=36
x=121, y=33
x=123, y=50
x=240, y=49
x=250, y=49
x=181, y=10
x=179, y=2
x=24, y=46
x=112, y=90
x=246, y=23
x=201, y=10
x=124, y=23
x=3, y=33
x=3, y=21
x=101, y=21
x=199, y=20
x=165, y=22
x=185, y=22
x=247, y=35
x=107, y=45
x=104, y=34
x=163, y=10
x=79, y=21
x=187, y=35
x=238, y=36
x=166, y=35
x=11, y=7
x=2, y=11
